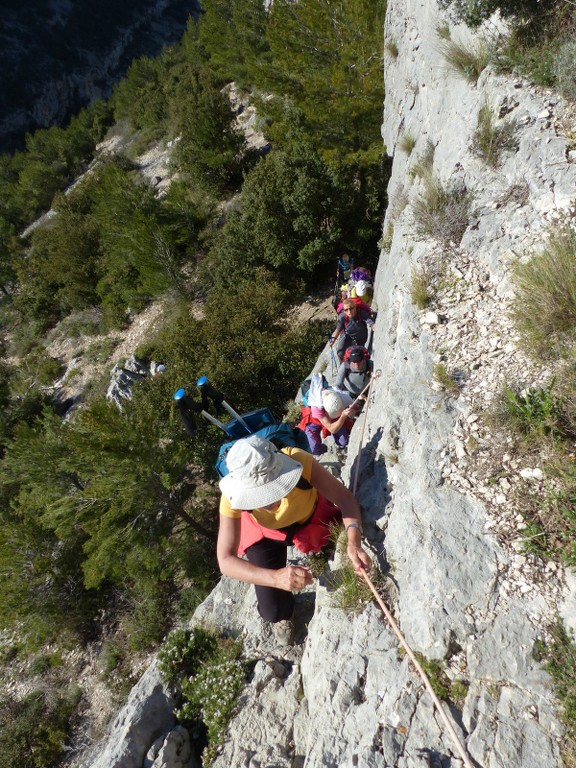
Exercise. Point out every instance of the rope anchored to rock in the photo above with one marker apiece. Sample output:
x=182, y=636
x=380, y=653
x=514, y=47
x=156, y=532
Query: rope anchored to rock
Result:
x=427, y=684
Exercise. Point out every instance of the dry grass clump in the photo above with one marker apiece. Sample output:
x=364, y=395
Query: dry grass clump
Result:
x=406, y=143
x=441, y=212
x=467, y=60
x=544, y=308
x=493, y=137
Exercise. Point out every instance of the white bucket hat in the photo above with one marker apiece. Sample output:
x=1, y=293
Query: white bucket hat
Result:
x=258, y=474
x=332, y=403
x=361, y=288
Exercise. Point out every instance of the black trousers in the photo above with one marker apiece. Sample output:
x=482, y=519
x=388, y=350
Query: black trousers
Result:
x=273, y=604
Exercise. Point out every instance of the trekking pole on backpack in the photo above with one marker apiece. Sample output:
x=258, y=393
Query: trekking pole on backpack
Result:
x=333, y=357
x=208, y=391
x=185, y=404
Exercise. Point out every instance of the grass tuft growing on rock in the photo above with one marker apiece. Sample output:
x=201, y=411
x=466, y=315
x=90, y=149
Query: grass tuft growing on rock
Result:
x=467, y=60
x=492, y=137
x=544, y=308
x=441, y=212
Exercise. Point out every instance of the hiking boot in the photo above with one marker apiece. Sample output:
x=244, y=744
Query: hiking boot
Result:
x=283, y=632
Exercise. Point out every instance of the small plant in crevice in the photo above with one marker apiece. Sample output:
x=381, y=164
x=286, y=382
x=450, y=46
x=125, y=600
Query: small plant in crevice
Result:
x=436, y=675
x=443, y=31
x=422, y=168
x=532, y=412
x=467, y=60
x=441, y=212
x=391, y=47
x=492, y=137
x=420, y=288
x=448, y=380
x=406, y=143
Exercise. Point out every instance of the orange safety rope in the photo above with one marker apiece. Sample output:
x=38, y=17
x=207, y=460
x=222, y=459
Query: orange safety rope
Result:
x=459, y=746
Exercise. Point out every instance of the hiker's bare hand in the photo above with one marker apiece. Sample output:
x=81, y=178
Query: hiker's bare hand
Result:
x=359, y=558
x=292, y=578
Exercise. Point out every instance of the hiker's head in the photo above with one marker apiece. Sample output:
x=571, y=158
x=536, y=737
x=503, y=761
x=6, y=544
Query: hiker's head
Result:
x=345, y=258
x=258, y=474
x=361, y=288
x=357, y=358
x=349, y=307
x=332, y=403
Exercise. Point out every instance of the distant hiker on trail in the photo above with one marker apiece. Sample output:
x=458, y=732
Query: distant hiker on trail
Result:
x=325, y=415
x=353, y=323
x=344, y=268
x=270, y=500
x=353, y=375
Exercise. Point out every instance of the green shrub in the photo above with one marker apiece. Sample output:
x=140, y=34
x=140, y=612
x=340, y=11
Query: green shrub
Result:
x=533, y=412
x=33, y=730
x=210, y=674
x=211, y=695
x=558, y=655
x=420, y=290
x=544, y=307
x=474, y=12
x=448, y=380
x=565, y=69
x=184, y=650
x=491, y=138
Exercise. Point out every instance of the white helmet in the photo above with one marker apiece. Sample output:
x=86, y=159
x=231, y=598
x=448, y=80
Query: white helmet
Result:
x=332, y=403
x=362, y=287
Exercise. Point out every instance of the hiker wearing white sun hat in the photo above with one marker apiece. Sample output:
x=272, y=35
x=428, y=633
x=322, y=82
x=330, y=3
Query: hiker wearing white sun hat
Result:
x=272, y=499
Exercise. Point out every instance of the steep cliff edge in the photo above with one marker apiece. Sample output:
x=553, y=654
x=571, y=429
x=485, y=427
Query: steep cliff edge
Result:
x=438, y=516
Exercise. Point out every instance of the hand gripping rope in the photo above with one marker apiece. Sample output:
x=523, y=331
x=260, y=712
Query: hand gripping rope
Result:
x=459, y=746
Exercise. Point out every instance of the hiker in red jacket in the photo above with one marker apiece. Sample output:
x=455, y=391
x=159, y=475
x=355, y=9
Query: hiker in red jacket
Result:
x=270, y=500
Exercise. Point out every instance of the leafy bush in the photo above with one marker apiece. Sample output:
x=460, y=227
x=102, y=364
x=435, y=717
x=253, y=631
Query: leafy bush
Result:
x=33, y=730
x=210, y=675
x=491, y=138
x=533, y=412
x=544, y=307
x=558, y=655
x=474, y=12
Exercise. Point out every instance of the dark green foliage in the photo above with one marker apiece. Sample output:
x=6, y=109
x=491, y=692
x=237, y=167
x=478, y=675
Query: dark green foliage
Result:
x=327, y=58
x=33, y=730
x=474, y=12
x=140, y=96
x=210, y=148
x=235, y=35
x=290, y=216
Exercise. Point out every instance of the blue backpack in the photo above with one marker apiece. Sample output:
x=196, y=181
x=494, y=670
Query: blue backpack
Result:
x=282, y=435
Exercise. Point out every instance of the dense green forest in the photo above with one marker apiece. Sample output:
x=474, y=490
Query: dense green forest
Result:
x=113, y=510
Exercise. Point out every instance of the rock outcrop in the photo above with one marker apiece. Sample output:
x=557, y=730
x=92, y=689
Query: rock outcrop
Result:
x=60, y=56
x=439, y=519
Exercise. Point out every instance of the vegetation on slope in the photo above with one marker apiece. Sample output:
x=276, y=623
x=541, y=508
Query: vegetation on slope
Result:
x=111, y=511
